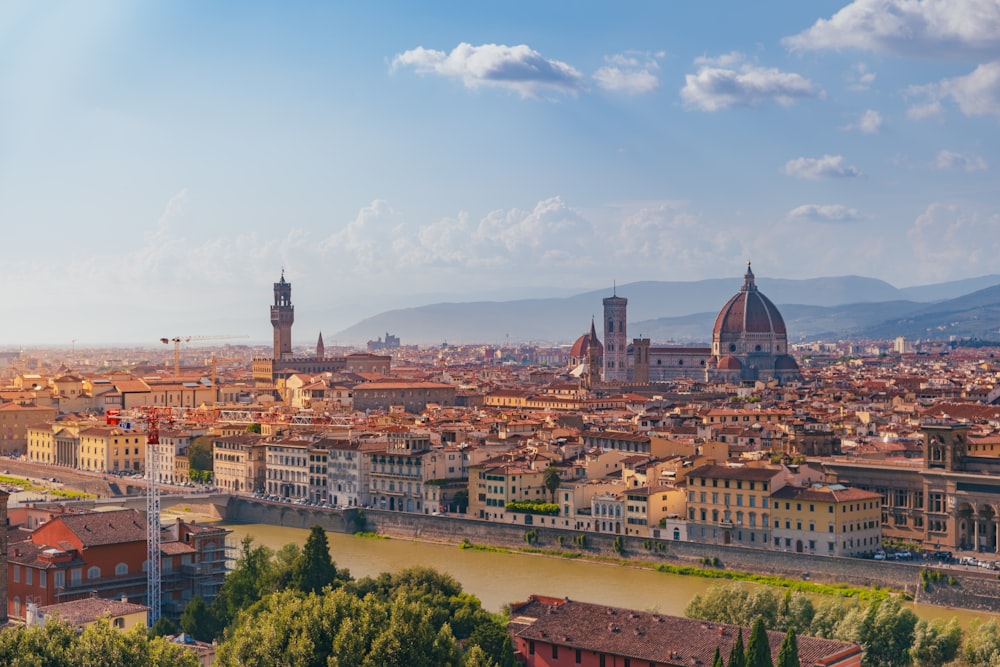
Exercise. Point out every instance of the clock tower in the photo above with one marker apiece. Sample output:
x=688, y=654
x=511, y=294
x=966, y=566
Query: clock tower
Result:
x=282, y=317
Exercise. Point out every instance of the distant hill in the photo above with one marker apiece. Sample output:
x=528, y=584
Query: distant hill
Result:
x=678, y=311
x=975, y=315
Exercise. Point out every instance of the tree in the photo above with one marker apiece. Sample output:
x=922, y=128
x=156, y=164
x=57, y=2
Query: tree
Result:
x=935, y=642
x=759, y=648
x=717, y=659
x=551, y=481
x=493, y=639
x=884, y=629
x=163, y=626
x=199, y=621
x=737, y=655
x=313, y=568
x=200, y=456
x=252, y=577
x=982, y=644
x=788, y=654
x=99, y=645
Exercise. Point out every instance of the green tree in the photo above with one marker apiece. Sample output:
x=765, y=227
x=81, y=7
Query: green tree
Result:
x=313, y=568
x=982, y=644
x=252, y=577
x=717, y=659
x=759, y=648
x=493, y=639
x=99, y=645
x=737, y=652
x=788, y=654
x=884, y=629
x=551, y=481
x=163, y=626
x=935, y=642
x=199, y=621
x=200, y=456
x=476, y=657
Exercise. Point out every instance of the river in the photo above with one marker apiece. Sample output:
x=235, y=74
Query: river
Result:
x=499, y=578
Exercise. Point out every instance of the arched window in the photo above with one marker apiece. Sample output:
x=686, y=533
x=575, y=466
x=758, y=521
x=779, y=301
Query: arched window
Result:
x=121, y=569
x=93, y=572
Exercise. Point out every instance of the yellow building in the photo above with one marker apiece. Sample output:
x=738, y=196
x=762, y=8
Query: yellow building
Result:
x=111, y=449
x=731, y=505
x=646, y=506
x=492, y=485
x=826, y=519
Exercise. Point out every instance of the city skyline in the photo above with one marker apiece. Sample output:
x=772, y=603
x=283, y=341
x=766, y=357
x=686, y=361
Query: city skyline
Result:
x=163, y=161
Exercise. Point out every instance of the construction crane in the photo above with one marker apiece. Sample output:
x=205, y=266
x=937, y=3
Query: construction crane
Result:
x=177, y=340
x=148, y=419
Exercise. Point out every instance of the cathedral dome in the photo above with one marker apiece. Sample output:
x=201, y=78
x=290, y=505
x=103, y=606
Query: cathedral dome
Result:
x=582, y=345
x=748, y=312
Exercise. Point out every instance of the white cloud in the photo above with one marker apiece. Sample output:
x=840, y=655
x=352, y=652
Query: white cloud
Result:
x=828, y=166
x=945, y=236
x=869, y=122
x=859, y=78
x=518, y=68
x=827, y=213
x=976, y=93
x=910, y=27
x=729, y=81
x=630, y=72
x=951, y=160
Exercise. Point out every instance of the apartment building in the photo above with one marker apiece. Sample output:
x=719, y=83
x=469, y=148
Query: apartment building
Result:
x=826, y=519
x=731, y=505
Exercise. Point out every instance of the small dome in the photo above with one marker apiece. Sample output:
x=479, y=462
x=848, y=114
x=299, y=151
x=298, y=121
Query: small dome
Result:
x=748, y=312
x=730, y=363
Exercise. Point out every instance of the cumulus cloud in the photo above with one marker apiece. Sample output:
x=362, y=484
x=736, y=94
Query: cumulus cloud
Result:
x=729, y=81
x=518, y=68
x=951, y=160
x=828, y=166
x=630, y=72
x=860, y=78
x=869, y=122
x=976, y=94
x=828, y=213
x=945, y=236
x=909, y=27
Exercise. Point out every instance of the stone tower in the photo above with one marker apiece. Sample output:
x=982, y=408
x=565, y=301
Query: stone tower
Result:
x=320, y=348
x=282, y=317
x=615, y=342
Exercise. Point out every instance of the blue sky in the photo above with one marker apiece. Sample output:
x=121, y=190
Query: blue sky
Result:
x=160, y=162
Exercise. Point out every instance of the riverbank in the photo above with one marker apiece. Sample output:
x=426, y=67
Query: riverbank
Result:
x=972, y=591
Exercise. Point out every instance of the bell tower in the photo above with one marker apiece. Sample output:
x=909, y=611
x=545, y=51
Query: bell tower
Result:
x=615, y=342
x=282, y=317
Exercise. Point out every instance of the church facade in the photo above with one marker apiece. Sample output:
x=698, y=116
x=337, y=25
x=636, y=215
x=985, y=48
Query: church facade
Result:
x=749, y=343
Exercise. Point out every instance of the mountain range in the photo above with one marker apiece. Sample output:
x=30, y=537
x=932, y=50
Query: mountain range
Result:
x=684, y=312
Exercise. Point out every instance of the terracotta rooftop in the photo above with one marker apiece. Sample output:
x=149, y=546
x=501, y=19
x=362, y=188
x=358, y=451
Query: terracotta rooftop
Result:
x=79, y=612
x=665, y=640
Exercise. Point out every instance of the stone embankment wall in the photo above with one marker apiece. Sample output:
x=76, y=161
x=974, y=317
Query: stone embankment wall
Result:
x=970, y=590
x=453, y=530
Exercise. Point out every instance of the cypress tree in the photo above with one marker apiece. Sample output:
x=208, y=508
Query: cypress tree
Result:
x=788, y=655
x=737, y=657
x=717, y=659
x=758, y=648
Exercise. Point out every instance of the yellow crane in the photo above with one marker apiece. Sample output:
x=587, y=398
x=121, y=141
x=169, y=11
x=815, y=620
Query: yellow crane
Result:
x=177, y=340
